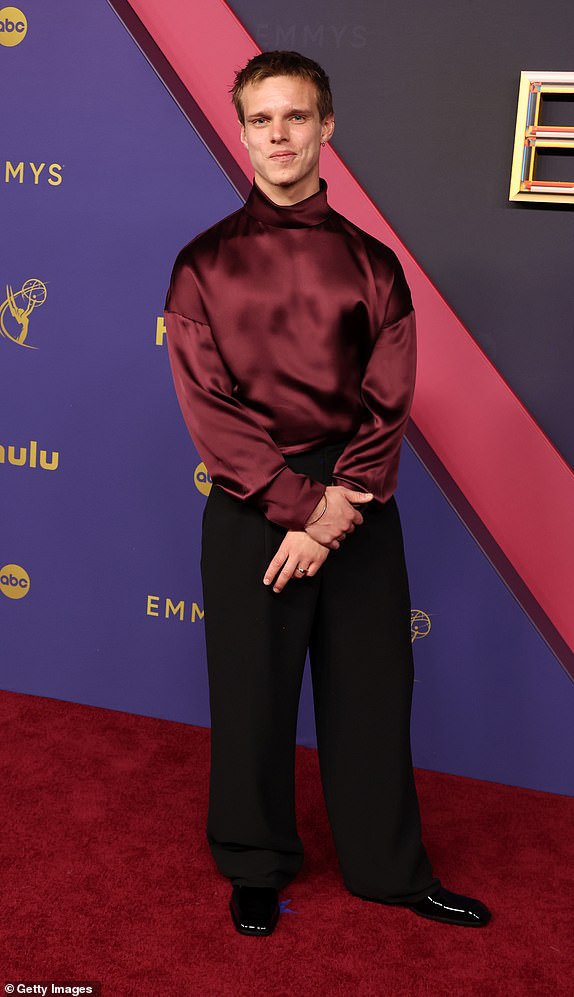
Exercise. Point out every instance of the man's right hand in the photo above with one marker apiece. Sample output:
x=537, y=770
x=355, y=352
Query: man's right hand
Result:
x=340, y=516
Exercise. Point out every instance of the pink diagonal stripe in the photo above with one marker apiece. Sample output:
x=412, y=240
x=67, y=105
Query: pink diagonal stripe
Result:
x=516, y=481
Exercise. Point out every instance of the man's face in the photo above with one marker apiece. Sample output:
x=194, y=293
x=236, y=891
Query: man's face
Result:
x=283, y=134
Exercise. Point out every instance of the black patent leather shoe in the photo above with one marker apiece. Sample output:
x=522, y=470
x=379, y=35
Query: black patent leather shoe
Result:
x=451, y=908
x=254, y=909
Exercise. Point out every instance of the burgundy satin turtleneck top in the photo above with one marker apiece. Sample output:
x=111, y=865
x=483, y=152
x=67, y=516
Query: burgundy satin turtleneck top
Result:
x=289, y=328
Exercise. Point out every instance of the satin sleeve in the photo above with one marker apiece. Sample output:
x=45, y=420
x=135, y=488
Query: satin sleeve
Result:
x=239, y=454
x=370, y=461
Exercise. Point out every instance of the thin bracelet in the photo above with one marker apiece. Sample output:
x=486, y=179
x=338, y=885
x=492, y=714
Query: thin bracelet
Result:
x=320, y=514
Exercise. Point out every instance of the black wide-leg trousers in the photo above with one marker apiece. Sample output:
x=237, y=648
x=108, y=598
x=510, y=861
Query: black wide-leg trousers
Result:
x=354, y=617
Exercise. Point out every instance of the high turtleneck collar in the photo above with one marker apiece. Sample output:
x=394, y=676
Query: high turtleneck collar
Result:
x=311, y=211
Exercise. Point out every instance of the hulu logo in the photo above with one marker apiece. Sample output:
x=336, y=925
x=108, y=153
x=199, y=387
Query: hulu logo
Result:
x=29, y=456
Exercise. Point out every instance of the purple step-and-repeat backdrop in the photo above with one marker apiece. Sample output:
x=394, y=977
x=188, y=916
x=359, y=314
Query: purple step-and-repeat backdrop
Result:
x=102, y=181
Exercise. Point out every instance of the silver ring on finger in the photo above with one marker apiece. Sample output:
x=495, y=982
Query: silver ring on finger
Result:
x=302, y=570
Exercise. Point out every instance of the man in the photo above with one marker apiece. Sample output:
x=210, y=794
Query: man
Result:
x=291, y=336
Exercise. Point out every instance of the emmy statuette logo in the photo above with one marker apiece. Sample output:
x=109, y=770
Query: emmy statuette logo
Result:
x=13, y=26
x=16, y=309
x=14, y=581
x=420, y=624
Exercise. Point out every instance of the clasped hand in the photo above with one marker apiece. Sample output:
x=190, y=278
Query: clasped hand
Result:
x=308, y=549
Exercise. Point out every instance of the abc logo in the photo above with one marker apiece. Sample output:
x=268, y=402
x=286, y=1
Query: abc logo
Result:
x=14, y=581
x=13, y=26
x=202, y=479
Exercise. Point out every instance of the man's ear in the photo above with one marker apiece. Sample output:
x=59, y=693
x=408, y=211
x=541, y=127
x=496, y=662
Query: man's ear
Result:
x=327, y=127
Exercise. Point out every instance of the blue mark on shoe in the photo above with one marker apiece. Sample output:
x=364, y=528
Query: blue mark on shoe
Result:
x=284, y=907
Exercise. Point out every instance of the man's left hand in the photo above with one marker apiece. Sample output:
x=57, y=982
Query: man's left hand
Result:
x=297, y=551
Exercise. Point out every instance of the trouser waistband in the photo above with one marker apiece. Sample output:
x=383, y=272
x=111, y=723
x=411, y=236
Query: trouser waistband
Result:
x=319, y=462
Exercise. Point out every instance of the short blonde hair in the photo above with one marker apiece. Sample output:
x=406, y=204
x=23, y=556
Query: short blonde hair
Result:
x=282, y=63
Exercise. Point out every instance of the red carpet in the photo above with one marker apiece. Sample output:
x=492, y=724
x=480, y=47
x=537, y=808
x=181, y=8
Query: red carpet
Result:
x=106, y=875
